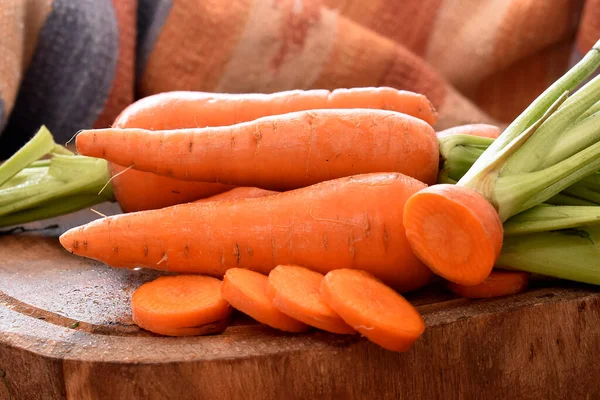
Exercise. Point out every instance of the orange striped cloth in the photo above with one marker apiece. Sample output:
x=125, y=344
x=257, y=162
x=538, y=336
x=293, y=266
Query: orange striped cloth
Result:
x=77, y=64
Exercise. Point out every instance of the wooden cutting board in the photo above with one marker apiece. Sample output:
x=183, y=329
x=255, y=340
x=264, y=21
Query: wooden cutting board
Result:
x=66, y=332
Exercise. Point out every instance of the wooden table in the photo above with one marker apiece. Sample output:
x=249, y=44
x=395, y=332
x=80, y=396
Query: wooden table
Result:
x=66, y=332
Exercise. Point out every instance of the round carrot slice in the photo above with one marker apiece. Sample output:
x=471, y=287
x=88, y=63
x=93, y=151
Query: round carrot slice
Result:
x=295, y=291
x=246, y=291
x=498, y=283
x=455, y=231
x=375, y=310
x=181, y=305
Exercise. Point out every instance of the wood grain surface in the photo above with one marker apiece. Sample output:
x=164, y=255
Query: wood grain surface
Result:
x=66, y=333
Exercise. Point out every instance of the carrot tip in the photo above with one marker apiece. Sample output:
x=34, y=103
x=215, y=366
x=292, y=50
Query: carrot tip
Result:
x=455, y=231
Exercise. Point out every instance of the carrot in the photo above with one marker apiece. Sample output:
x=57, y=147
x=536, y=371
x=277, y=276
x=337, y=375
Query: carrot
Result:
x=480, y=130
x=182, y=305
x=294, y=290
x=246, y=291
x=352, y=222
x=183, y=109
x=498, y=283
x=372, y=308
x=455, y=231
x=278, y=152
x=137, y=190
x=239, y=193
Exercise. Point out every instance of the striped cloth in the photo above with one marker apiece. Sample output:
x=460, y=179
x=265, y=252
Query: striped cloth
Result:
x=73, y=64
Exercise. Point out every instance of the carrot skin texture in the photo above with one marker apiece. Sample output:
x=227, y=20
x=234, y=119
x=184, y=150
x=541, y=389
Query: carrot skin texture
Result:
x=481, y=130
x=279, y=152
x=246, y=291
x=295, y=291
x=187, y=109
x=375, y=310
x=455, y=231
x=352, y=222
x=180, y=305
x=498, y=283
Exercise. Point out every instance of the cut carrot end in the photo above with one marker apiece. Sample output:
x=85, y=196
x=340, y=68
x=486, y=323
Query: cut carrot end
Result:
x=295, y=291
x=180, y=305
x=498, y=283
x=455, y=231
x=246, y=291
x=372, y=308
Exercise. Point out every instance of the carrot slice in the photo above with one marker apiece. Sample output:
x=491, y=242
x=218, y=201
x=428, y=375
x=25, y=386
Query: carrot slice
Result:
x=246, y=291
x=455, y=231
x=296, y=292
x=375, y=310
x=180, y=305
x=498, y=283
x=206, y=329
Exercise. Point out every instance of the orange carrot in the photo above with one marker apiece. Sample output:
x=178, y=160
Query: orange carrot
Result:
x=238, y=193
x=246, y=291
x=352, y=222
x=278, y=152
x=372, y=308
x=137, y=190
x=455, y=231
x=179, y=109
x=498, y=283
x=482, y=130
x=295, y=291
x=182, y=305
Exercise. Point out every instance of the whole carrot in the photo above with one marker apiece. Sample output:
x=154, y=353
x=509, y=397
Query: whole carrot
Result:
x=179, y=109
x=137, y=190
x=352, y=222
x=278, y=152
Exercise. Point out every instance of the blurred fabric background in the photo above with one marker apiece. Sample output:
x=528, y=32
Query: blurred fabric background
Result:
x=74, y=64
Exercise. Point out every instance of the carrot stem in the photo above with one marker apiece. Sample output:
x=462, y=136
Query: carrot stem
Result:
x=42, y=143
x=570, y=254
x=544, y=218
x=569, y=81
x=592, y=110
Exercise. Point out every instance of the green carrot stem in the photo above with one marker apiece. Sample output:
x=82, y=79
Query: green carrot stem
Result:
x=568, y=200
x=533, y=154
x=569, y=81
x=578, y=137
x=571, y=254
x=66, y=176
x=39, y=164
x=582, y=192
x=41, y=144
x=551, y=218
x=516, y=193
x=52, y=208
x=592, y=110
